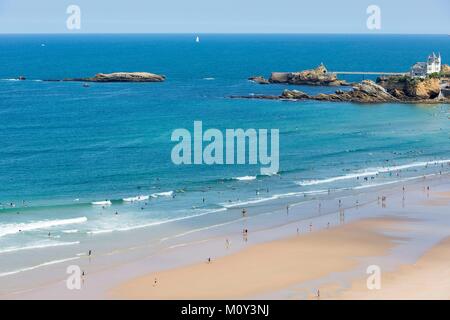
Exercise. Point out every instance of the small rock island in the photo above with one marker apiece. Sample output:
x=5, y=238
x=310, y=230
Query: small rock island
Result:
x=120, y=77
x=313, y=77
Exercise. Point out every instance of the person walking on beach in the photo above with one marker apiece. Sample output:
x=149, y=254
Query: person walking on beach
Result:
x=341, y=215
x=244, y=212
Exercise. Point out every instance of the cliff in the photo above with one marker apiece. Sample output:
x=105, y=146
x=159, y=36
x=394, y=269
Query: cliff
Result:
x=445, y=71
x=404, y=87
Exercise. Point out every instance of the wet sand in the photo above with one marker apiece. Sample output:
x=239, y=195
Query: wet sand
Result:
x=425, y=279
x=266, y=267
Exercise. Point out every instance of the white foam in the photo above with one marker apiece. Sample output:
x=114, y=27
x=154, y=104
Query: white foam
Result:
x=274, y=197
x=38, y=246
x=101, y=203
x=135, y=199
x=162, y=194
x=209, y=78
x=373, y=185
x=246, y=178
x=371, y=172
x=154, y=223
x=7, y=229
x=243, y=203
x=70, y=231
x=4, y=274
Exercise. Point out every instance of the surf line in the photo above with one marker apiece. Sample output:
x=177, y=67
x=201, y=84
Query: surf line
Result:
x=190, y=150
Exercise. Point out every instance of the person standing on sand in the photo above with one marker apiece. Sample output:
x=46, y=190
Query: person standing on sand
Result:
x=245, y=235
x=244, y=212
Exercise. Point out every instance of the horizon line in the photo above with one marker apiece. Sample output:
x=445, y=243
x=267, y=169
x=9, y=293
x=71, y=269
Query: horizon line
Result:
x=223, y=33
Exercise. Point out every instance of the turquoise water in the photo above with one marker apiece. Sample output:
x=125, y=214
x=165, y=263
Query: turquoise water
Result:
x=64, y=146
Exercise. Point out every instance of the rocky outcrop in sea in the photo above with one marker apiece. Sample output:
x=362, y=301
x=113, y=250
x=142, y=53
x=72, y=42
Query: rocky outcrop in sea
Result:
x=366, y=91
x=313, y=77
x=120, y=77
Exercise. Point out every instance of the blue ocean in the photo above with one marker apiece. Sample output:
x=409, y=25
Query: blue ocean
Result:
x=65, y=146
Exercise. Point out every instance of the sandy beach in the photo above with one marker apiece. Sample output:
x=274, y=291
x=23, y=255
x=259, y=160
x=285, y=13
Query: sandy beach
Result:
x=425, y=279
x=280, y=264
x=266, y=267
x=325, y=256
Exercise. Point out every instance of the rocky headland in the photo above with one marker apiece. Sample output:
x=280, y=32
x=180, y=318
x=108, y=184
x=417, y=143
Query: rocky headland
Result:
x=367, y=91
x=406, y=88
x=313, y=77
x=120, y=77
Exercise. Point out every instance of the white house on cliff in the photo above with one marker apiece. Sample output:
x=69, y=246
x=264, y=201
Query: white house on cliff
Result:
x=422, y=69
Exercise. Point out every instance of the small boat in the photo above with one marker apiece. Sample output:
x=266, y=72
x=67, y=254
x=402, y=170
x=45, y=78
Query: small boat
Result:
x=102, y=203
x=85, y=85
x=197, y=39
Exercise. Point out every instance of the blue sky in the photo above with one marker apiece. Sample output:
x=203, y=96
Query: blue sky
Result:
x=225, y=16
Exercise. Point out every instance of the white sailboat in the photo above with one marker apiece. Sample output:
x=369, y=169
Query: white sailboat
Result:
x=197, y=39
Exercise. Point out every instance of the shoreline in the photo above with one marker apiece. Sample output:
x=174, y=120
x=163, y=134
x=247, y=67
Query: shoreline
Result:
x=114, y=271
